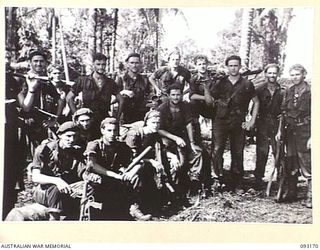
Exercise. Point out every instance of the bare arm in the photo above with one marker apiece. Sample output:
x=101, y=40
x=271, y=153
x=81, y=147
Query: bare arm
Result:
x=179, y=141
x=70, y=100
x=154, y=84
x=45, y=179
x=26, y=102
x=255, y=110
x=98, y=169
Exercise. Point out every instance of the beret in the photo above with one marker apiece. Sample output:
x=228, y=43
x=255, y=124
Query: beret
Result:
x=82, y=111
x=67, y=126
x=133, y=54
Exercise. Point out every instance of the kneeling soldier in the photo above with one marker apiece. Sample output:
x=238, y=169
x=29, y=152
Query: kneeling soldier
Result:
x=56, y=164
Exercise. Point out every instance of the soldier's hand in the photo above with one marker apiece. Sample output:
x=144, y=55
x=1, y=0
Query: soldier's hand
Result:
x=126, y=92
x=128, y=176
x=248, y=125
x=278, y=136
x=32, y=82
x=95, y=178
x=157, y=165
x=195, y=148
x=180, y=142
x=63, y=187
x=309, y=144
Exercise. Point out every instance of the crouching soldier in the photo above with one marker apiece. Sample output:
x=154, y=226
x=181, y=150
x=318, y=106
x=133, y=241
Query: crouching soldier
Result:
x=295, y=128
x=155, y=164
x=119, y=191
x=83, y=118
x=176, y=128
x=55, y=166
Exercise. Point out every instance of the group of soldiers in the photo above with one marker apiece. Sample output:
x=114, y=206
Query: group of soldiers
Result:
x=147, y=154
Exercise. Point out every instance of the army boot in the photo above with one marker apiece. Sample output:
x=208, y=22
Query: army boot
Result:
x=136, y=213
x=308, y=202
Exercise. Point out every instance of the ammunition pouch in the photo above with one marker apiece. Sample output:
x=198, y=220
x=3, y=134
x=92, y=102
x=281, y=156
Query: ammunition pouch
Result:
x=299, y=121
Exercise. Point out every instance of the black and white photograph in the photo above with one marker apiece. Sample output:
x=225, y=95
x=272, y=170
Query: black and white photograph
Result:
x=186, y=114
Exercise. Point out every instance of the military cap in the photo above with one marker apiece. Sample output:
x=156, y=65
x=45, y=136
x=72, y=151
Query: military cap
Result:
x=133, y=54
x=67, y=126
x=37, y=53
x=82, y=111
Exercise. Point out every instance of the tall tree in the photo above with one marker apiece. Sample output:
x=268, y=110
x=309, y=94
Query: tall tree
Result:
x=91, y=28
x=246, y=35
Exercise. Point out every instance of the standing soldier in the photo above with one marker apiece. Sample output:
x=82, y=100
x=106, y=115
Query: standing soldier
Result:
x=295, y=129
x=96, y=91
x=270, y=96
x=168, y=75
x=13, y=172
x=200, y=84
x=232, y=95
x=37, y=95
x=134, y=90
x=54, y=73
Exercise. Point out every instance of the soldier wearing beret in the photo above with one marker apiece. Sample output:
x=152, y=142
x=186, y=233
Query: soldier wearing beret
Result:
x=134, y=89
x=56, y=164
x=38, y=94
x=83, y=118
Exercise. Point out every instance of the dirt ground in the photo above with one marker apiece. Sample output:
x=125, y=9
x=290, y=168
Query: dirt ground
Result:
x=251, y=206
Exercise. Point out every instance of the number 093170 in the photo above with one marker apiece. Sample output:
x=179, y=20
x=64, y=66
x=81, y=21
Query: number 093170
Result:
x=309, y=246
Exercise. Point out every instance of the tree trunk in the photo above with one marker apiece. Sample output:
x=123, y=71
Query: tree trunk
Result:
x=285, y=18
x=246, y=35
x=157, y=37
x=114, y=39
x=10, y=28
x=53, y=52
x=99, y=28
x=92, y=24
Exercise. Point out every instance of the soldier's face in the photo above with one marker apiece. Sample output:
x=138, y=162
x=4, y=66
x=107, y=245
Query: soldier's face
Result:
x=100, y=66
x=134, y=64
x=153, y=124
x=109, y=132
x=175, y=96
x=174, y=60
x=272, y=74
x=201, y=66
x=84, y=121
x=55, y=75
x=67, y=139
x=37, y=64
x=297, y=76
x=234, y=67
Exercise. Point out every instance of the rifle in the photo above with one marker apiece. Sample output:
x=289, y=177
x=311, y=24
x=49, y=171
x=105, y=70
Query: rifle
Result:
x=159, y=159
x=137, y=159
x=87, y=201
x=277, y=165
